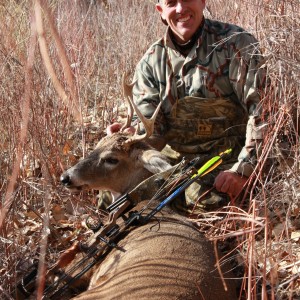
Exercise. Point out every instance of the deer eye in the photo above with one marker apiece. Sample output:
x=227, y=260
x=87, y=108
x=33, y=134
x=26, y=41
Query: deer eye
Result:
x=110, y=160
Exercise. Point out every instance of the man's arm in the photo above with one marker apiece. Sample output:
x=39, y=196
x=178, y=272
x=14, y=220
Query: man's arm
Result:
x=248, y=77
x=248, y=80
x=146, y=95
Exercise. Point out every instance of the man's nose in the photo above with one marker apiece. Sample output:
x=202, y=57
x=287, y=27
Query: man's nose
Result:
x=180, y=6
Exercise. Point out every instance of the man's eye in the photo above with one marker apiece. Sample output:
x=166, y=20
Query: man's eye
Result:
x=171, y=3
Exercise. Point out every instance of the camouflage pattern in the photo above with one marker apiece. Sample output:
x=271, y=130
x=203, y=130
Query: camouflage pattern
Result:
x=224, y=125
x=208, y=95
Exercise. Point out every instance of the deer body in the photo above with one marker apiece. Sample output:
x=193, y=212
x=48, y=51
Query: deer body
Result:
x=165, y=259
x=169, y=260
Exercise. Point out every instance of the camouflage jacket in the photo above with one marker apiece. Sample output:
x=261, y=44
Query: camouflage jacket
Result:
x=207, y=96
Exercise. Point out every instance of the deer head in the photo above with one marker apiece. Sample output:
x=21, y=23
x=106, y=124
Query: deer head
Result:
x=120, y=161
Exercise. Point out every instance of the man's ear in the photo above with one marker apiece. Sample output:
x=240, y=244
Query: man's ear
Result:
x=159, y=8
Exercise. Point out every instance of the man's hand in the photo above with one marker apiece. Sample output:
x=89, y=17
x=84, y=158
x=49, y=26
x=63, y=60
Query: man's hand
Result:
x=230, y=183
x=116, y=127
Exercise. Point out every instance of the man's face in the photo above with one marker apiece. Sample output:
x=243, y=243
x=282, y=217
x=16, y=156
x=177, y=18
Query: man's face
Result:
x=183, y=16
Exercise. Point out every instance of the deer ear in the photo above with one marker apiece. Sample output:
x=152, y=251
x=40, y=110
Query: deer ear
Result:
x=154, y=161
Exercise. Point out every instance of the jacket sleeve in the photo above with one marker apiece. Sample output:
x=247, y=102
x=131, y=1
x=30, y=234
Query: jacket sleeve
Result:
x=248, y=75
x=146, y=95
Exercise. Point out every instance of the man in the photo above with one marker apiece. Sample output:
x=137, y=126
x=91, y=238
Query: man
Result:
x=207, y=75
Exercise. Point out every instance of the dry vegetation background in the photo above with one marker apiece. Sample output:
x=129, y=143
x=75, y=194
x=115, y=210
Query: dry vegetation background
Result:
x=46, y=126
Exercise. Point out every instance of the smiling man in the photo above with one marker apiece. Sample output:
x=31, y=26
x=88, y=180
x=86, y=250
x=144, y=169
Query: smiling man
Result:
x=207, y=75
x=183, y=17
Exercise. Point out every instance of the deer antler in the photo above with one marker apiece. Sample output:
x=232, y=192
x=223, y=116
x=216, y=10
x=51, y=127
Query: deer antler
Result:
x=127, y=92
x=148, y=123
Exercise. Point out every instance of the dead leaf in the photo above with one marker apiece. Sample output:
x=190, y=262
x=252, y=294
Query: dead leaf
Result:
x=296, y=270
x=67, y=147
x=58, y=213
x=295, y=235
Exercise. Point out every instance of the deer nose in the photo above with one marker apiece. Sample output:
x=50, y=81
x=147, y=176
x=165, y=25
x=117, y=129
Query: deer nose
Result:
x=65, y=179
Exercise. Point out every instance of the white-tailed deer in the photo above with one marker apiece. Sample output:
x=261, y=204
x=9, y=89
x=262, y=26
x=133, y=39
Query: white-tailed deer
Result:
x=172, y=260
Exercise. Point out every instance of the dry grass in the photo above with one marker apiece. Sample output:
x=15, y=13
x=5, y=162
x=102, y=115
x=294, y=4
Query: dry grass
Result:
x=40, y=134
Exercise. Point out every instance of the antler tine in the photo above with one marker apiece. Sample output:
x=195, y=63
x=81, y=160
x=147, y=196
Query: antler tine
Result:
x=127, y=92
x=148, y=123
